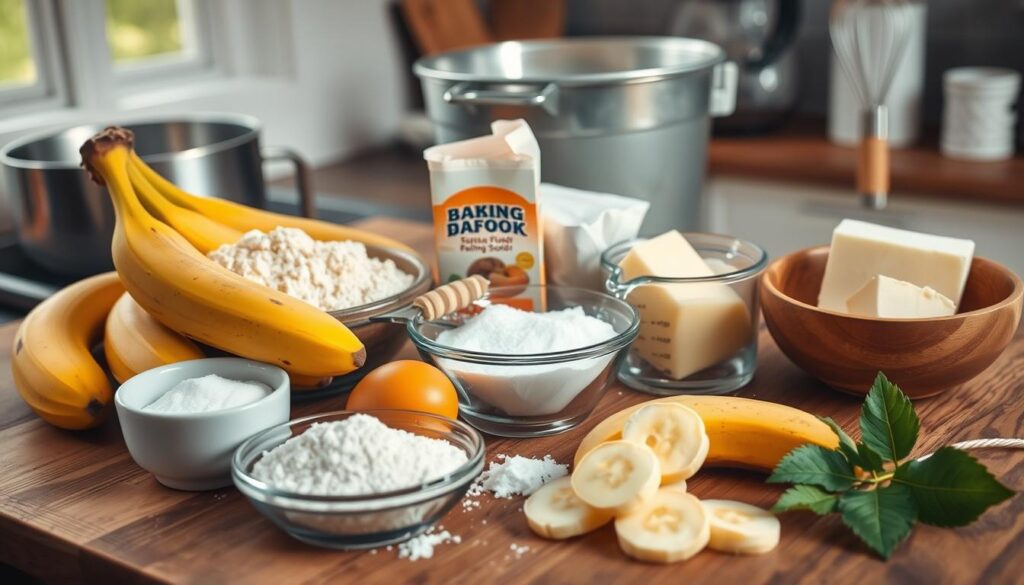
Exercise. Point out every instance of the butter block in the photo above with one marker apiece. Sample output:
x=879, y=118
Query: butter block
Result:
x=685, y=327
x=889, y=298
x=862, y=250
x=668, y=255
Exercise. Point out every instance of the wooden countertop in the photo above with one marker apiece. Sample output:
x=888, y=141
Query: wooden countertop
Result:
x=75, y=507
x=802, y=153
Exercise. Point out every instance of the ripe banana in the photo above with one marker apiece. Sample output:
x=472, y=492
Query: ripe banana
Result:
x=53, y=368
x=741, y=528
x=202, y=232
x=746, y=433
x=554, y=511
x=676, y=435
x=134, y=341
x=616, y=476
x=244, y=218
x=671, y=527
x=184, y=290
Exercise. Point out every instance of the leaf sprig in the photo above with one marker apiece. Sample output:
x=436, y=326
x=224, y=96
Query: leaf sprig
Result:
x=878, y=493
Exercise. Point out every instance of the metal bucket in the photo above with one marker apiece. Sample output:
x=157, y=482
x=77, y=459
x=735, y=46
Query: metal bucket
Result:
x=625, y=115
x=65, y=221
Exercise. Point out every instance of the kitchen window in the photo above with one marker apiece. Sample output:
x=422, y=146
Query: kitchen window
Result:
x=28, y=55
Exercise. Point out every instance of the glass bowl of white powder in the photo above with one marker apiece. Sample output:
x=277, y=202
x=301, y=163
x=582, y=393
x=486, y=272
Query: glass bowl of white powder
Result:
x=352, y=480
x=530, y=361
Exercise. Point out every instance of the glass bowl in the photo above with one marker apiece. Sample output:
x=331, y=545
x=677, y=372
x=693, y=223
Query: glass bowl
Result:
x=707, y=342
x=536, y=394
x=366, y=521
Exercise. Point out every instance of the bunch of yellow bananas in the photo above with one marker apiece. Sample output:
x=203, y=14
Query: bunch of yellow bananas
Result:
x=175, y=295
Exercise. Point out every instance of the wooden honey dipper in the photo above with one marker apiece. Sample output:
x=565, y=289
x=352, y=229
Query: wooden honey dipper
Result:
x=442, y=300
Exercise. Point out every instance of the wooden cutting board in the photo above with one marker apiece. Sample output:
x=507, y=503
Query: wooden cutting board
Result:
x=74, y=507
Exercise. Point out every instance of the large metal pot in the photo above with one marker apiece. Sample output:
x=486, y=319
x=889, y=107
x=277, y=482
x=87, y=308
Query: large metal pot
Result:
x=626, y=115
x=65, y=221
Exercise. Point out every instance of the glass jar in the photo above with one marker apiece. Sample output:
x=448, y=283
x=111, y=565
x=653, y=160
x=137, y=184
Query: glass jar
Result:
x=697, y=335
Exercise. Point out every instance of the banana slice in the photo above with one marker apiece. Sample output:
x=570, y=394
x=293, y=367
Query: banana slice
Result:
x=676, y=435
x=676, y=486
x=617, y=476
x=670, y=527
x=554, y=511
x=741, y=528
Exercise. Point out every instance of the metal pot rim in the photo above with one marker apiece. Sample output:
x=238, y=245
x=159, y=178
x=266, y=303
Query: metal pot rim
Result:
x=250, y=123
x=426, y=67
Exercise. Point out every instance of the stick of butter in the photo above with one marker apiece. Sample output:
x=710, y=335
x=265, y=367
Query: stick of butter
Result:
x=684, y=327
x=862, y=250
x=889, y=298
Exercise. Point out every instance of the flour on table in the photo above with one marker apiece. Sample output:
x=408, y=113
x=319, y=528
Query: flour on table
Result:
x=515, y=475
x=422, y=546
x=329, y=275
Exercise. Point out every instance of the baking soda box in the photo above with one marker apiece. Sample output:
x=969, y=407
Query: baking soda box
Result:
x=486, y=213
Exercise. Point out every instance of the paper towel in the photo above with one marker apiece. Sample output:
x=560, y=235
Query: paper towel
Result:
x=579, y=226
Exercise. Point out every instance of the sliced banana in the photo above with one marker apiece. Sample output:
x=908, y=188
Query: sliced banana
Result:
x=741, y=528
x=554, y=511
x=617, y=476
x=678, y=486
x=676, y=435
x=671, y=526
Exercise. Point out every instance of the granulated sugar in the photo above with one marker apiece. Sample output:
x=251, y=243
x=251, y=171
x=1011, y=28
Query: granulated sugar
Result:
x=355, y=456
x=328, y=275
x=528, y=390
x=516, y=475
x=422, y=546
x=509, y=331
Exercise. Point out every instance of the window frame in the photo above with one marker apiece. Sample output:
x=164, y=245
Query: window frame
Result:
x=49, y=89
x=150, y=71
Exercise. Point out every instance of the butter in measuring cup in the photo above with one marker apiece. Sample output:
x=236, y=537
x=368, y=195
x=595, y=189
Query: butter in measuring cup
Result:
x=684, y=327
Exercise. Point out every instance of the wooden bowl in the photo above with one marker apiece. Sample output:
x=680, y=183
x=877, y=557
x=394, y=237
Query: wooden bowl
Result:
x=923, y=356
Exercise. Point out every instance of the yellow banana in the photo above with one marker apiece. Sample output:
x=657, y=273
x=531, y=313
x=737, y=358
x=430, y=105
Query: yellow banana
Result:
x=187, y=292
x=134, y=342
x=742, y=432
x=244, y=218
x=202, y=232
x=53, y=368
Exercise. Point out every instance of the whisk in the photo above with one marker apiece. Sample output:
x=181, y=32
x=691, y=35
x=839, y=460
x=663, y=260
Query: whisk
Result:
x=869, y=38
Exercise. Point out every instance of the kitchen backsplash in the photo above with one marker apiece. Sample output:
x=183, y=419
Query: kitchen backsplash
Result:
x=960, y=32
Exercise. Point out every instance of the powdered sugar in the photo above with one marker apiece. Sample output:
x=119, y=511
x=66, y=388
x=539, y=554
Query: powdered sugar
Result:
x=516, y=475
x=355, y=456
x=328, y=275
x=422, y=546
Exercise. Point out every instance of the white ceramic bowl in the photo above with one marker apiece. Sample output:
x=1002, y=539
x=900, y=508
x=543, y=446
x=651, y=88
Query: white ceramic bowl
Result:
x=193, y=451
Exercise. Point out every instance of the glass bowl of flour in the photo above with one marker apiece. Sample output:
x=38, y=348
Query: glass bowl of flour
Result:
x=530, y=361
x=351, y=481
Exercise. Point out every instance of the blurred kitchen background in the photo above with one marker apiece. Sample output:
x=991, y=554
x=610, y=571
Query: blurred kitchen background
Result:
x=332, y=79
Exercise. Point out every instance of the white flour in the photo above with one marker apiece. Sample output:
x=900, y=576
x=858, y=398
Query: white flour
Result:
x=356, y=456
x=328, y=275
x=515, y=475
x=422, y=546
x=528, y=390
x=206, y=394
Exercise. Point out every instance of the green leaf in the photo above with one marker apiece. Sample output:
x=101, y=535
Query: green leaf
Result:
x=815, y=465
x=844, y=439
x=806, y=497
x=888, y=423
x=869, y=459
x=951, y=488
x=882, y=517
